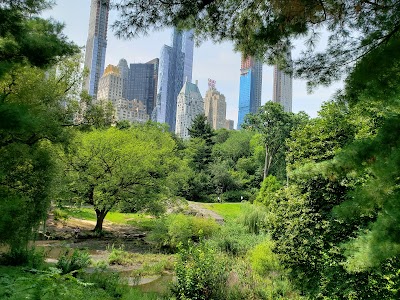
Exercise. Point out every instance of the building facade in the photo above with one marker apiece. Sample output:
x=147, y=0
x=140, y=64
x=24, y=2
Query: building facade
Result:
x=176, y=63
x=96, y=44
x=283, y=87
x=124, y=71
x=215, y=108
x=130, y=110
x=189, y=104
x=250, y=87
x=110, y=85
x=142, y=83
x=229, y=124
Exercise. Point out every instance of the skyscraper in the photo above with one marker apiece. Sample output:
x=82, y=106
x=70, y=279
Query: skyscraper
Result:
x=124, y=71
x=142, y=83
x=175, y=68
x=96, y=44
x=215, y=107
x=283, y=87
x=189, y=105
x=250, y=87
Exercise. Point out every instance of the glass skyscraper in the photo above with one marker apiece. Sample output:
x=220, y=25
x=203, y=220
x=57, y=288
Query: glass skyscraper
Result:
x=176, y=63
x=250, y=87
x=142, y=83
x=96, y=44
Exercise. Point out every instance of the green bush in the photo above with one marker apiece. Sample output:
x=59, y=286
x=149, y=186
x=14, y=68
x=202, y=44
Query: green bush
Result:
x=175, y=229
x=234, y=239
x=244, y=283
x=23, y=257
x=236, y=196
x=254, y=218
x=119, y=257
x=263, y=259
x=268, y=188
x=60, y=215
x=106, y=280
x=200, y=274
x=69, y=263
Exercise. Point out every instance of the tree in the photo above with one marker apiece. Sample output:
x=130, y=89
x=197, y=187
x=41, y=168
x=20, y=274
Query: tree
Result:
x=264, y=28
x=32, y=118
x=274, y=125
x=109, y=168
x=27, y=39
x=319, y=139
x=201, y=129
x=201, y=142
x=326, y=174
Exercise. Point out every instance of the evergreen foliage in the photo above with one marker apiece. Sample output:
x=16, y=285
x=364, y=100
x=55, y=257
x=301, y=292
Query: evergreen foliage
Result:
x=265, y=28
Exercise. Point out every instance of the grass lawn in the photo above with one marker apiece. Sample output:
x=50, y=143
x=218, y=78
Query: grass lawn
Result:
x=229, y=211
x=139, y=220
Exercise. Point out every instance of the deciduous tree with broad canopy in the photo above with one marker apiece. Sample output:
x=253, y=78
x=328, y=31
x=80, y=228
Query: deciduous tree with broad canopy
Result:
x=108, y=168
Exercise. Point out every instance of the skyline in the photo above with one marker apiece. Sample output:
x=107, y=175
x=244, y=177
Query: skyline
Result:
x=215, y=61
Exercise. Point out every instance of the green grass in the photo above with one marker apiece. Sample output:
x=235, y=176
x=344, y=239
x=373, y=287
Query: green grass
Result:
x=229, y=211
x=81, y=213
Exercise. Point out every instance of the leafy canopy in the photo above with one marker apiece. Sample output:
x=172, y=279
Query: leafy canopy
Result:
x=114, y=168
x=265, y=28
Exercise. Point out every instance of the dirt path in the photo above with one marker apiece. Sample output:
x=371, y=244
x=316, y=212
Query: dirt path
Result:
x=201, y=211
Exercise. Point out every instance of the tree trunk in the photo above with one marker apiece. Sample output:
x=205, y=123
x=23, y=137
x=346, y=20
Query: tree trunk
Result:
x=100, y=214
x=266, y=163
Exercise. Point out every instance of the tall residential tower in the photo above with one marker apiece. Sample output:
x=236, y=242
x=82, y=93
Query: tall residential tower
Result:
x=283, y=87
x=96, y=44
x=250, y=87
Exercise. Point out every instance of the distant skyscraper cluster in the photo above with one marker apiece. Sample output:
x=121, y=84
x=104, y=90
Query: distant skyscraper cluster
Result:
x=283, y=87
x=250, y=87
x=162, y=88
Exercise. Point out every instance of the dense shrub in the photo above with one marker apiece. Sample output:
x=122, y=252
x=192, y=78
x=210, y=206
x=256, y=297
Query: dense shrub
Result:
x=60, y=215
x=23, y=257
x=254, y=218
x=175, y=229
x=236, y=196
x=106, y=280
x=234, y=239
x=200, y=274
x=263, y=260
x=268, y=187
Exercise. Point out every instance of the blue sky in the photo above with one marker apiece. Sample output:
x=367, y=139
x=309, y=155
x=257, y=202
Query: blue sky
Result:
x=216, y=61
